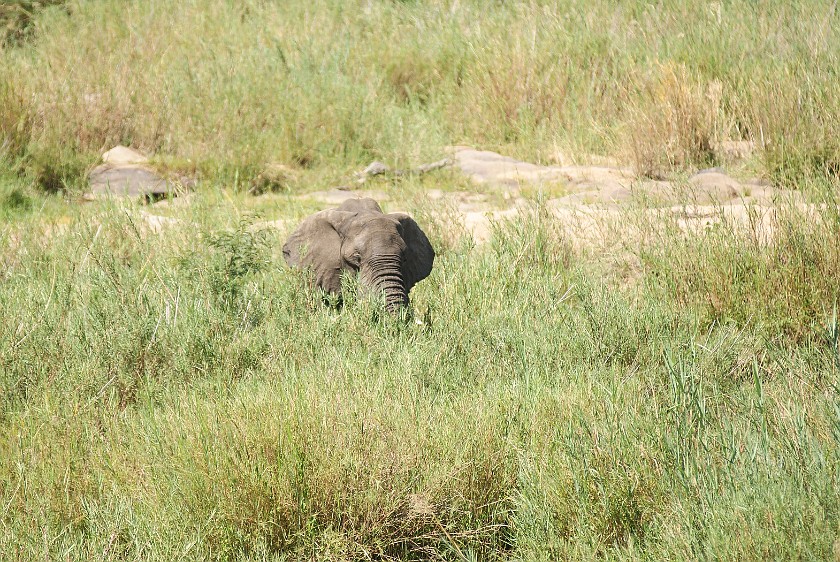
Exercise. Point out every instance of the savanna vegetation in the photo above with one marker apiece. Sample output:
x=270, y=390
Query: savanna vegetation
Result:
x=184, y=395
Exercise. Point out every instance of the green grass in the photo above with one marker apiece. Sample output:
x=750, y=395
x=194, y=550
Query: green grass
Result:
x=184, y=395
x=230, y=87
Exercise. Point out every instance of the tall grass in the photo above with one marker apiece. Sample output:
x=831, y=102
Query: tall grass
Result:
x=185, y=395
x=732, y=267
x=235, y=86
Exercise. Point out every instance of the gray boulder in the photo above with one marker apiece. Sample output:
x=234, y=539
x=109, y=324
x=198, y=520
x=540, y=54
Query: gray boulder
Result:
x=126, y=173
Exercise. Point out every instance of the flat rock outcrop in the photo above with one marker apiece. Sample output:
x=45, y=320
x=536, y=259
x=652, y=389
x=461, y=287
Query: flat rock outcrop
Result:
x=489, y=168
x=125, y=173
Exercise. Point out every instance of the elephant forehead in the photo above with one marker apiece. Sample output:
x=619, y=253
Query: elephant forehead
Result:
x=375, y=221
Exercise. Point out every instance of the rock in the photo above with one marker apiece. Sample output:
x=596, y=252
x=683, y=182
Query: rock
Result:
x=714, y=186
x=126, y=174
x=127, y=181
x=479, y=224
x=492, y=169
x=608, y=195
x=657, y=192
x=461, y=201
x=120, y=155
x=605, y=179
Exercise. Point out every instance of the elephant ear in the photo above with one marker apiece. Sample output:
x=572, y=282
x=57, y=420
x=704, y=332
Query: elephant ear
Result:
x=419, y=254
x=316, y=244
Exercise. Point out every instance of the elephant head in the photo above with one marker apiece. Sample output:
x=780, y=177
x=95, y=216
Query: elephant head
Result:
x=389, y=251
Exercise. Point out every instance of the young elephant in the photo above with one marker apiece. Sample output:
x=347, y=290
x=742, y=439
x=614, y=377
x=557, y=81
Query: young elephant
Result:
x=390, y=252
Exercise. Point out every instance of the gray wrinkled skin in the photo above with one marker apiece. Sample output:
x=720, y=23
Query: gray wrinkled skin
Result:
x=389, y=252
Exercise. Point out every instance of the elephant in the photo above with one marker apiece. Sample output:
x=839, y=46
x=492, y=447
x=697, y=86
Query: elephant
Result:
x=389, y=252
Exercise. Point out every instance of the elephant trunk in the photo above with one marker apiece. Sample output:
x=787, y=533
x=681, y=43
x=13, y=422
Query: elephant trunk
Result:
x=384, y=274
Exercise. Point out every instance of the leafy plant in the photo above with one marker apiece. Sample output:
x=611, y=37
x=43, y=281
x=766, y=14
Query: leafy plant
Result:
x=238, y=255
